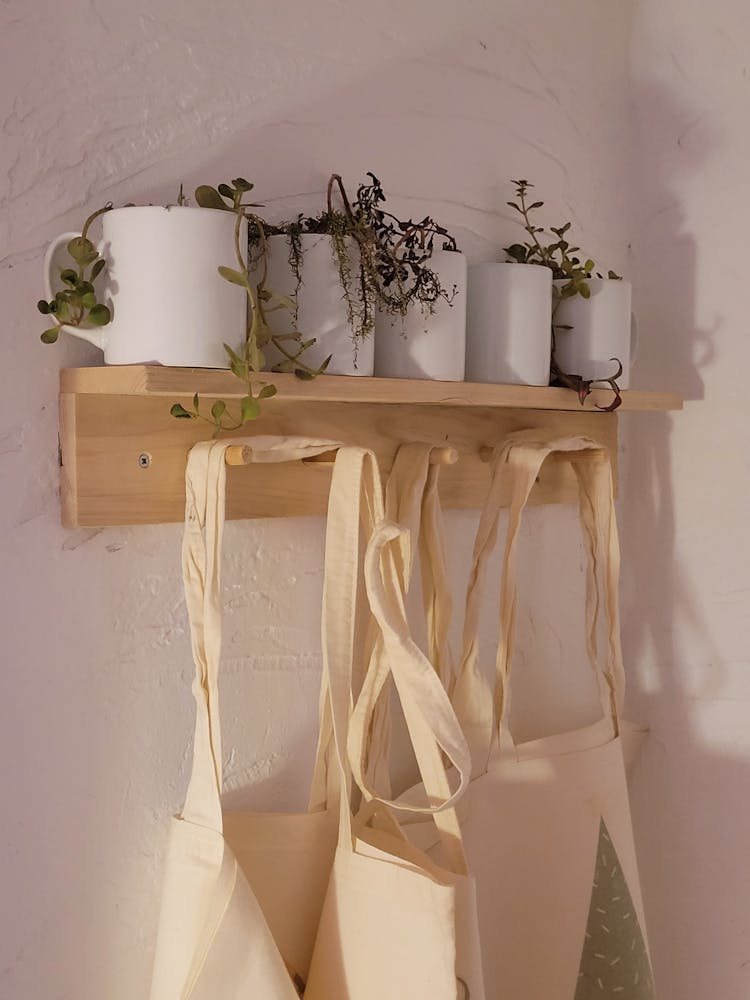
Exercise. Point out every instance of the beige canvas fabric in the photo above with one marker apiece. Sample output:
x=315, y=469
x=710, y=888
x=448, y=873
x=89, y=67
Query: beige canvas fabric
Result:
x=413, y=501
x=243, y=892
x=397, y=923
x=547, y=823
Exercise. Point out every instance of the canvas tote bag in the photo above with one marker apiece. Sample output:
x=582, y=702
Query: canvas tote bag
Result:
x=396, y=923
x=546, y=822
x=242, y=892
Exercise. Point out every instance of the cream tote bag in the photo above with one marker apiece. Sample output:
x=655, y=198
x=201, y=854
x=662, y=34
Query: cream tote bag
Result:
x=396, y=923
x=243, y=892
x=547, y=823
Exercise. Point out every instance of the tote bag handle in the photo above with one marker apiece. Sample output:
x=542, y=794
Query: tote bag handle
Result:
x=432, y=724
x=412, y=501
x=482, y=709
x=421, y=681
x=201, y=561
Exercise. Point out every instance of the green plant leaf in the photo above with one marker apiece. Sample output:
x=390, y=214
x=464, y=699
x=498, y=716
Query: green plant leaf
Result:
x=62, y=309
x=43, y=307
x=68, y=277
x=236, y=277
x=88, y=301
x=218, y=409
x=82, y=250
x=208, y=197
x=179, y=411
x=196, y=402
x=98, y=267
x=267, y=391
x=518, y=252
x=50, y=336
x=233, y=355
x=84, y=287
x=239, y=368
x=100, y=315
x=242, y=185
x=226, y=192
x=303, y=375
x=249, y=408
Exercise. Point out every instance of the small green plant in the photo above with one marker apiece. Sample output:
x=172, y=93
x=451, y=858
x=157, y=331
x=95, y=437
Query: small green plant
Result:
x=250, y=360
x=394, y=254
x=76, y=304
x=390, y=266
x=561, y=257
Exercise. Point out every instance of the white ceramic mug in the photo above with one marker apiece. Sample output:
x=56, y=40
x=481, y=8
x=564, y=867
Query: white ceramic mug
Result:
x=169, y=304
x=509, y=324
x=426, y=345
x=321, y=306
x=603, y=327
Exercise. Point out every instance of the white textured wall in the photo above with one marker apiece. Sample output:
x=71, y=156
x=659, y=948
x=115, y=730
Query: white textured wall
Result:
x=685, y=496
x=103, y=100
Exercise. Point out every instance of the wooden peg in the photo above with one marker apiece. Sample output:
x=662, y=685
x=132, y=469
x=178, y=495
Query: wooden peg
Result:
x=237, y=454
x=448, y=455
x=240, y=454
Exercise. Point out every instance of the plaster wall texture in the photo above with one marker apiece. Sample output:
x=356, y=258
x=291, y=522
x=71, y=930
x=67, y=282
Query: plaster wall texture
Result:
x=104, y=101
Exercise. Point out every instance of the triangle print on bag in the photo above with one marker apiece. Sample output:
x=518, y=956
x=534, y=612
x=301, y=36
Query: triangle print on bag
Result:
x=615, y=960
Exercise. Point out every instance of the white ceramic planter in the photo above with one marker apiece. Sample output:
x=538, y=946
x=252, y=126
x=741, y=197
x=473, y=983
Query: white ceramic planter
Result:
x=509, y=324
x=321, y=306
x=603, y=328
x=431, y=346
x=169, y=304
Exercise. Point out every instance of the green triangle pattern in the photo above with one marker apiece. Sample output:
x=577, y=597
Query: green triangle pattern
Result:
x=614, y=962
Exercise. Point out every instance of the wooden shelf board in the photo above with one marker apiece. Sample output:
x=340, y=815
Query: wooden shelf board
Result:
x=155, y=380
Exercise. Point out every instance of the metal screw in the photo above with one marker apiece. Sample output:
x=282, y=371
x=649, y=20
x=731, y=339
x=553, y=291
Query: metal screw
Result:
x=144, y=460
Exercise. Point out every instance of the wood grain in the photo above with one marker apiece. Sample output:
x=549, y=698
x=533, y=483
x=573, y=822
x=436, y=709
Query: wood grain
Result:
x=155, y=380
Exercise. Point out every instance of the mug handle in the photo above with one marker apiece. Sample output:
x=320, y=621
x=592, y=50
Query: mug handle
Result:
x=96, y=335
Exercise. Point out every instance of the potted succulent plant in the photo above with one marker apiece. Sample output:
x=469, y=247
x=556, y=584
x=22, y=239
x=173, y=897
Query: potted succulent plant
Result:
x=320, y=262
x=149, y=292
x=592, y=324
x=420, y=324
x=355, y=270
x=172, y=296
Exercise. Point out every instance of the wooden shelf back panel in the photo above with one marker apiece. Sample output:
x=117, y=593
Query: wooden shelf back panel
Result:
x=103, y=436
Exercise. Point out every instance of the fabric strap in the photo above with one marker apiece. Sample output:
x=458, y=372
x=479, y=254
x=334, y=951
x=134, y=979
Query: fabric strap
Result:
x=482, y=710
x=201, y=561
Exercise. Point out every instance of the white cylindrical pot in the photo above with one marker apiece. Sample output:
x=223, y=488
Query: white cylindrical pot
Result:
x=169, y=304
x=509, y=324
x=423, y=344
x=321, y=305
x=601, y=328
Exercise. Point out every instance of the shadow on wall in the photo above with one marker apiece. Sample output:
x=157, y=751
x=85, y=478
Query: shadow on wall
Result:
x=672, y=348
x=683, y=793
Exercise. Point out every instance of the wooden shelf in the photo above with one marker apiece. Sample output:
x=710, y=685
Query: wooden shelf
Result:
x=113, y=416
x=155, y=380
